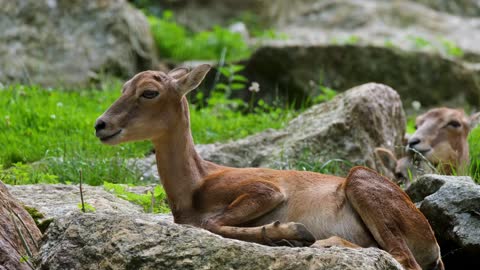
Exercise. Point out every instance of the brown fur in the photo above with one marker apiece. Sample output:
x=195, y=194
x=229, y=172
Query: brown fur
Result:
x=263, y=205
x=440, y=139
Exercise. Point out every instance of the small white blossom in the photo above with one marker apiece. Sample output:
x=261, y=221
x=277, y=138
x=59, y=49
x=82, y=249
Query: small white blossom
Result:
x=416, y=105
x=59, y=104
x=254, y=87
x=53, y=116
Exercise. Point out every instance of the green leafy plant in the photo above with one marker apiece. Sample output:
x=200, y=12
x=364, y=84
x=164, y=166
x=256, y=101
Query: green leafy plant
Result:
x=21, y=174
x=88, y=207
x=474, y=144
x=176, y=42
x=420, y=42
x=326, y=94
x=155, y=202
x=451, y=48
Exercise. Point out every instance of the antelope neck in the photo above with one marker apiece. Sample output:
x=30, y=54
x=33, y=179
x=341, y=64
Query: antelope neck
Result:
x=179, y=165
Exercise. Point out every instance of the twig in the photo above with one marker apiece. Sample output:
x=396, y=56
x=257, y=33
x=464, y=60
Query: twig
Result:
x=26, y=228
x=22, y=238
x=81, y=190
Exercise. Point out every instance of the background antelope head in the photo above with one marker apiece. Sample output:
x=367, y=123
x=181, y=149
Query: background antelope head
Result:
x=441, y=137
x=151, y=104
x=439, y=145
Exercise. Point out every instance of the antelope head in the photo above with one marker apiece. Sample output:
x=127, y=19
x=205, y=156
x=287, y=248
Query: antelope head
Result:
x=151, y=105
x=441, y=137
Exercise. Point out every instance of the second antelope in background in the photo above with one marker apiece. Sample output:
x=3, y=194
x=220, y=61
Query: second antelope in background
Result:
x=439, y=145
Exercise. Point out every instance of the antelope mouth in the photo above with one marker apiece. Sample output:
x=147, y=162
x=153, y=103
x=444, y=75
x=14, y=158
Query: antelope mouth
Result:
x=109, y=137
x=422, y=152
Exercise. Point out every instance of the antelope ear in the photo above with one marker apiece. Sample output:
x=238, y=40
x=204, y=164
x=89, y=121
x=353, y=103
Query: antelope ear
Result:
x=192, y=80
x=474, y=120
x=387, y=158
x=177, y=73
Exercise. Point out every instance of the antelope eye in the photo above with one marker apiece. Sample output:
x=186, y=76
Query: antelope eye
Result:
x=149, y=94
x=454, y=124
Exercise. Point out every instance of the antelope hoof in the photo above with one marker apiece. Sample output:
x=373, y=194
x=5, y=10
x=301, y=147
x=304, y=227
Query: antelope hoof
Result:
x=303, y=234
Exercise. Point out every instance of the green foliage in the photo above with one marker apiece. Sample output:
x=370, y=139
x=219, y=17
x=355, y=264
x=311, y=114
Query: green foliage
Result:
x=176, y=42
x=420, y=42
x=22, y=174
x=225, y=116
x=474, y=144
x=326, y=94
x=308, y=161
x=66, y=142
x=38, y=217
x=88, y=207
x=352, y=40
x=411, y=124
x=451, y=48
x=151, y=203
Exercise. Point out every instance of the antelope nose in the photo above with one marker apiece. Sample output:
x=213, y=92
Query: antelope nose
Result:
x=413, y=141
x=100, y=124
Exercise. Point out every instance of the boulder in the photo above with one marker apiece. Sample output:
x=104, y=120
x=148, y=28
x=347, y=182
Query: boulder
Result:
x=452, y=206
x=412, y=25
x=345, y=130
x=140, y=241
x=468, y=8
x=59, y=43
x=296, y=70
x=203, y=14
x=55, y=201
x=19, y=236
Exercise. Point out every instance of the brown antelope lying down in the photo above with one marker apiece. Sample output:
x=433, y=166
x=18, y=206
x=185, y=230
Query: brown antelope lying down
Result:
x=263, y=205
x=440, y=139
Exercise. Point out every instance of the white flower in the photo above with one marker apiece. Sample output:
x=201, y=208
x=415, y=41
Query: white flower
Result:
x=53, y=116
x=416, y=105
x=254, y=87
x=59, y=104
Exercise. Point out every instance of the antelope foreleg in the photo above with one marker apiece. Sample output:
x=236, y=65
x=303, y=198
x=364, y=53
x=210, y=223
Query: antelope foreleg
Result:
x=249, y=206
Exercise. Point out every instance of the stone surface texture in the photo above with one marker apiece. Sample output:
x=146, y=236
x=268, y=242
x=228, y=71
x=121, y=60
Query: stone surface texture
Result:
x=66, y=43
x=55, y=201
x=452, y=206
x=140, y=241
x=15, y=224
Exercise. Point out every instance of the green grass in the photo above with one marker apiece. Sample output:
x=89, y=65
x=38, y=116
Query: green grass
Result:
x=474, y=144
x=56, y=128
x=174, y=41
x=155, y=202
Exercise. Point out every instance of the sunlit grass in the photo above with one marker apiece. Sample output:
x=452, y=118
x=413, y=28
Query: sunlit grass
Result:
x=56, y=128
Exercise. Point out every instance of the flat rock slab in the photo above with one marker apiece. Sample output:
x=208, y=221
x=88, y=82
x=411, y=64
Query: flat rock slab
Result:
x=141, y=241
x=55, y=201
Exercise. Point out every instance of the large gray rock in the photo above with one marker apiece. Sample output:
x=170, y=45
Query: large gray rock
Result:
x=452, y=206
x=55, y=201
x=66, y=43
x=202, y=14
x=389, y=23
x=16, y=226
x=348, y=128
x=101, y=241
x=295, y=69
x=459, y=7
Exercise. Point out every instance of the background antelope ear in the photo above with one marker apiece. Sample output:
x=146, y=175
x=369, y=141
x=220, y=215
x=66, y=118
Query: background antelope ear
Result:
x=386, y=157
x=474, y=120
x=179, y=72
x=192, y=80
